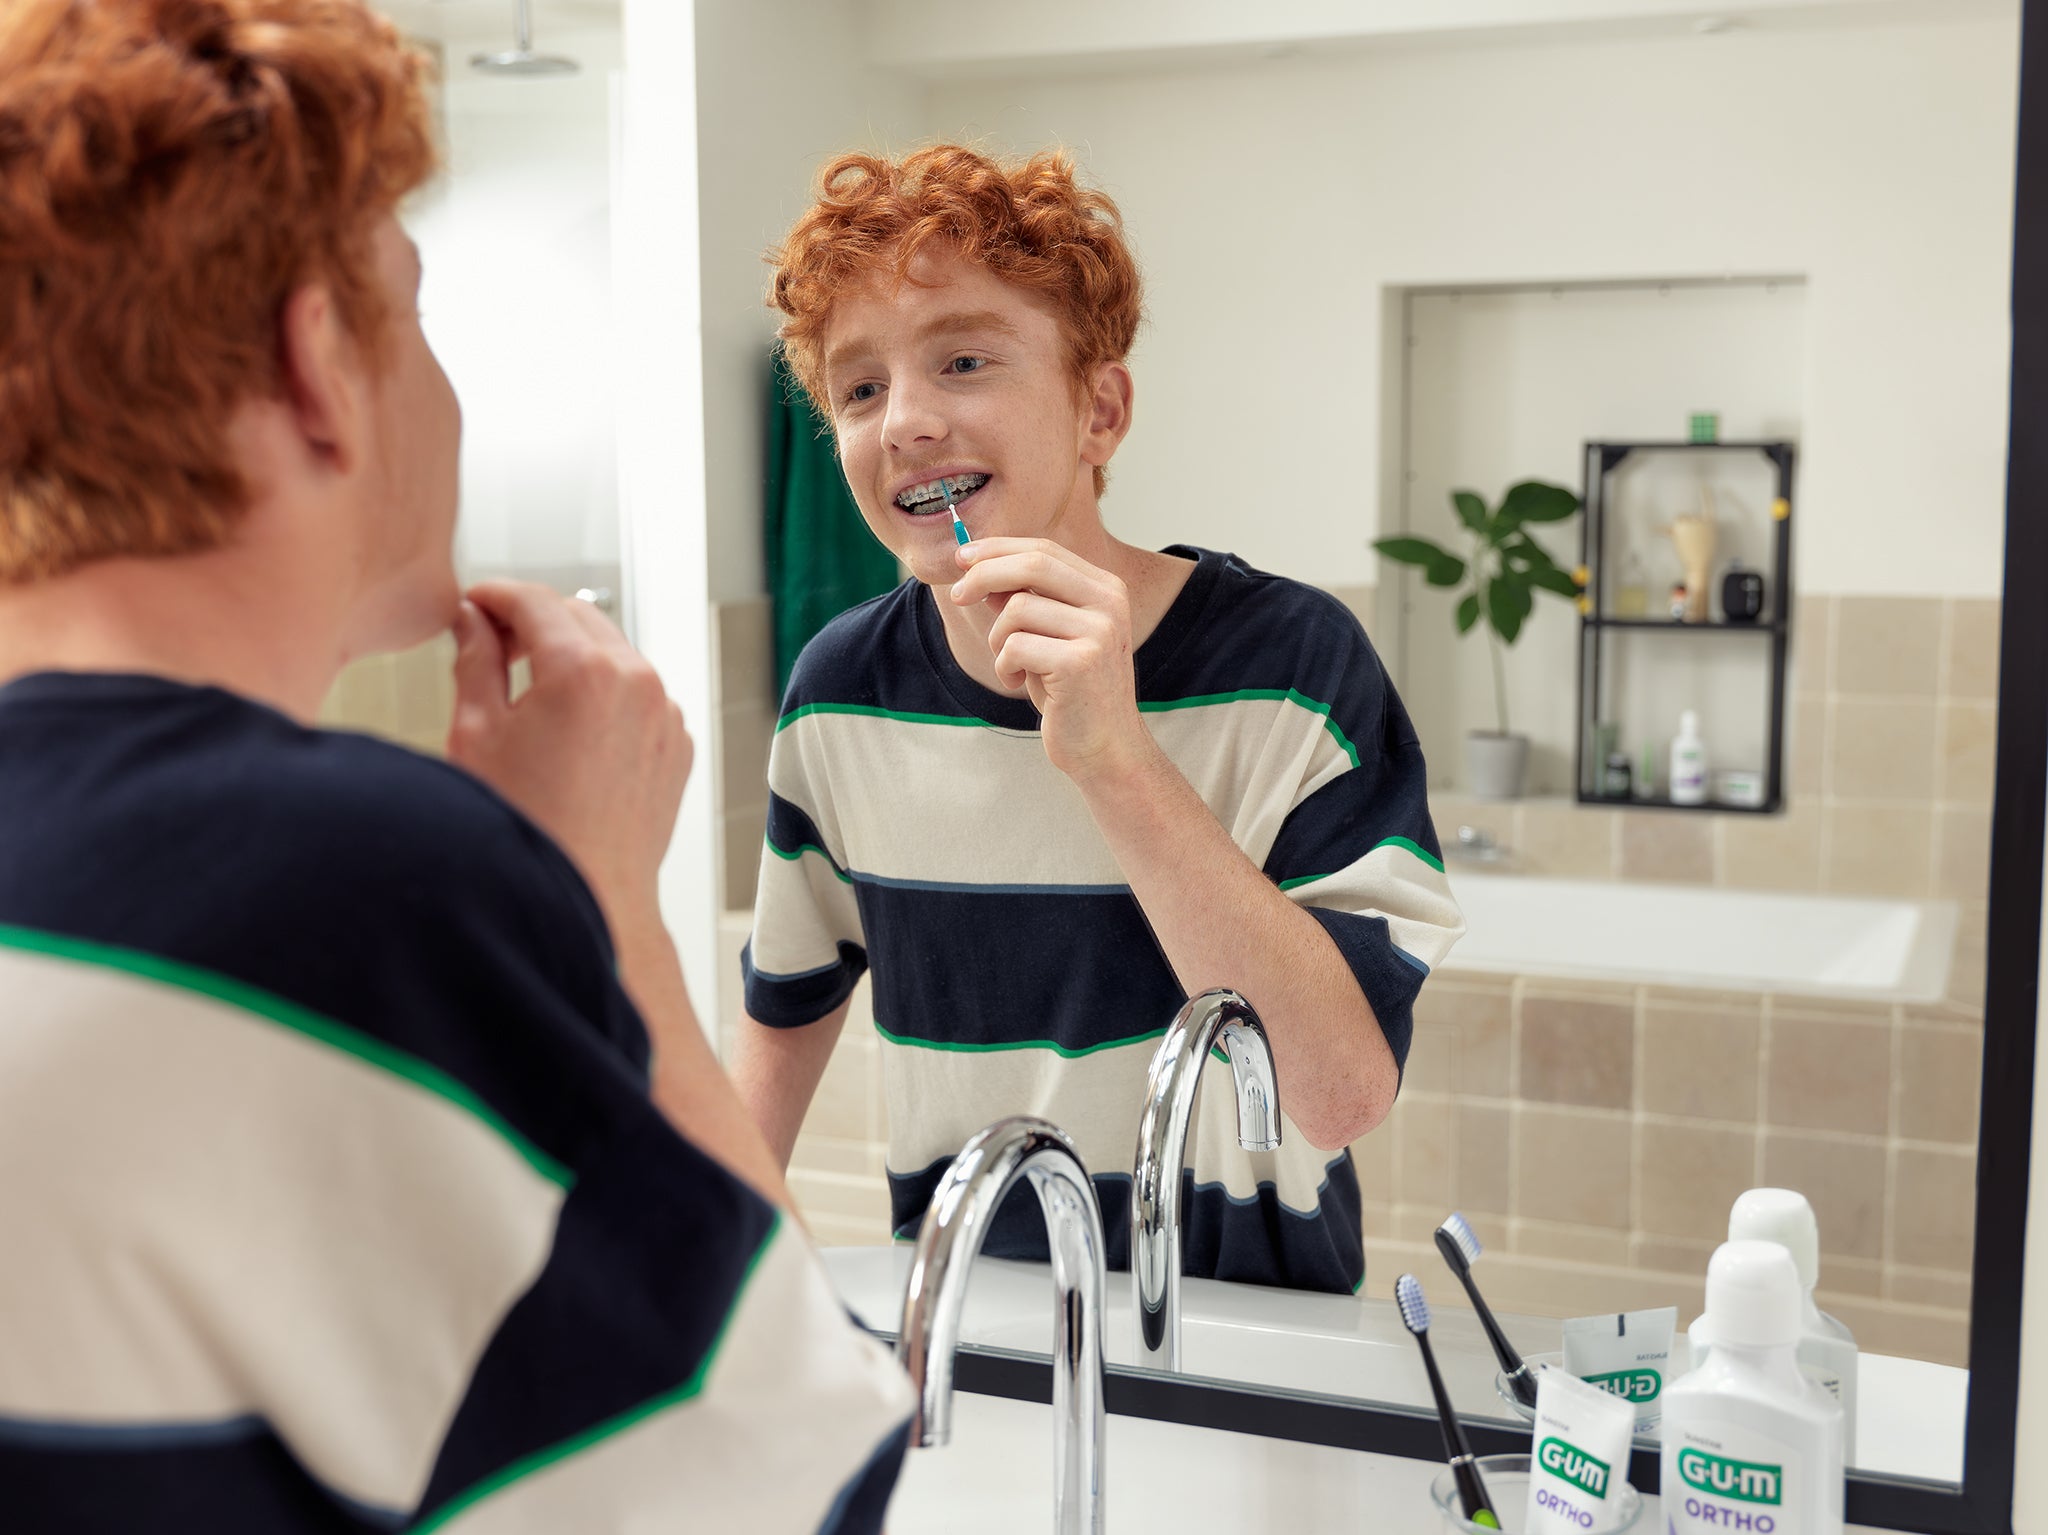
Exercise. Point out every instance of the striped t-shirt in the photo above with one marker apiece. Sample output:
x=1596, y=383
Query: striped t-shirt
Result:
x=917, y=831
x=331, y=1191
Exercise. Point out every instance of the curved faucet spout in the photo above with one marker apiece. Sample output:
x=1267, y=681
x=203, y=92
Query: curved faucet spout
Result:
x=955, y=1224
x=1162, y=1150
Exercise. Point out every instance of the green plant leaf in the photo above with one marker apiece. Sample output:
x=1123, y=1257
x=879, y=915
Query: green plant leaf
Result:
x=1468, y=612
x=1411, y=551
x=1507, y=604
x=1526, y=552
x=1551, y=579
x=1535, y=501
x=1471, y=510
x=1448, y=571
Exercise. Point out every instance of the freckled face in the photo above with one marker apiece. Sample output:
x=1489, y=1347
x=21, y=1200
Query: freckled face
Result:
x=961, y=376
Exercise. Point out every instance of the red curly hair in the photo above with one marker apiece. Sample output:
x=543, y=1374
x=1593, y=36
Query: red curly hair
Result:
x=170, y=171
x=1028, y=222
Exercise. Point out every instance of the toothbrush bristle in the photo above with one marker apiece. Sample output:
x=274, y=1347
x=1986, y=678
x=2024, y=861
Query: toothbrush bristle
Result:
x=1414, y=1309
x=1460, y=1231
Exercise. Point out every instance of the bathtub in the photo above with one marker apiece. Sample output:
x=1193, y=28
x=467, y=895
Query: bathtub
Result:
x=1683, y=935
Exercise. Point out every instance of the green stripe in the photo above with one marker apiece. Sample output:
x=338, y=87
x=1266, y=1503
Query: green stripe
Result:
x=871, y=711
x=1018, y=1044
x=1400, y=842
x=267, y=1005
x=1289, y=695
x=1417, y=849
x=540, y=1460
x=809, y=847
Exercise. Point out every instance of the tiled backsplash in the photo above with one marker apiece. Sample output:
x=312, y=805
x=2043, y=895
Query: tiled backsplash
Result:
x=408, y=697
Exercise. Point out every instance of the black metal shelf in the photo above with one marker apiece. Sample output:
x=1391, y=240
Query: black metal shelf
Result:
x=1659, y=802
x=1676, y=626
x=1597, y=626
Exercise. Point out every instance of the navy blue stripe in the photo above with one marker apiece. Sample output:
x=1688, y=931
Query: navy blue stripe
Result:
x=51, y=1434
x=969, y=887
x=1384, y=796
x=969, y=967
x=652, y=1246
x=1388, y=976
x=1254, y=1240
x=239, y=1482
x=791, y=831
x=790, y=1002
x=864, y=1500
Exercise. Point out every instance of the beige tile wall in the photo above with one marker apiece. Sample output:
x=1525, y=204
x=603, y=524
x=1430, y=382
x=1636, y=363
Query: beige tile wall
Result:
x=408, y=698
x=1596, y=1135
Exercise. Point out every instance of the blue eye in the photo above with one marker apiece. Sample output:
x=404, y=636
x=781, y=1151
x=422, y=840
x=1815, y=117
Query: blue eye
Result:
x=967, y=364
x=860, y=393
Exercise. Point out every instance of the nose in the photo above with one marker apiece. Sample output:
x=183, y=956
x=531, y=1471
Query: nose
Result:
x=915, y=416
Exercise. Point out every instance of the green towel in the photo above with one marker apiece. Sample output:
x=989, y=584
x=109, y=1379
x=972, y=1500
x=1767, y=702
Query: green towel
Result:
x=822, y=559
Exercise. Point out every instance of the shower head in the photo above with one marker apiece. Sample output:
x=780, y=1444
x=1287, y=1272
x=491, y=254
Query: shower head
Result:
x=520, y=59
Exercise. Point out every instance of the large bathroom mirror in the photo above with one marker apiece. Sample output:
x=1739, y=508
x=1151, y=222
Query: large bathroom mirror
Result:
x=1388, y=256
x=1443, y=254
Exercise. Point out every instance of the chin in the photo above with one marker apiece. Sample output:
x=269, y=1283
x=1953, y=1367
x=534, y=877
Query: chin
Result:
x=409, y=611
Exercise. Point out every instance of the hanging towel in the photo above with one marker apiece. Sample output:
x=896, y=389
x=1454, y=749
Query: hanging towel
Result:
x=822, y=559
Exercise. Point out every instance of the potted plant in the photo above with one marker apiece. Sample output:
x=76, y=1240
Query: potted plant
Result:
x=1504, y=571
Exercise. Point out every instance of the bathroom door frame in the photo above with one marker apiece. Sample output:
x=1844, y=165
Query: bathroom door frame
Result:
x=1982, y=1504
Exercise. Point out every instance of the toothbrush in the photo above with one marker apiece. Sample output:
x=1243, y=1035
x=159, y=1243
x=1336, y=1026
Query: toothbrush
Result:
x=959, y=527
x=1471, y=1490
x=1456, y=1241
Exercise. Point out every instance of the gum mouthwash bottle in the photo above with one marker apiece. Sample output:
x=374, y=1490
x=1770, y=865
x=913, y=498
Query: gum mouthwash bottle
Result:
x=1751, y=1444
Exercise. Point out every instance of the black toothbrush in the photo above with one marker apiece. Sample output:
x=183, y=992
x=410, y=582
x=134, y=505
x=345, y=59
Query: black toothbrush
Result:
x=1471, y=1490
x=1456, y=1241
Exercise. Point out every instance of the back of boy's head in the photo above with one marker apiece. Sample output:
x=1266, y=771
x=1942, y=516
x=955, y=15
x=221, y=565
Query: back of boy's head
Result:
x=1028, y=222
x=170, y=171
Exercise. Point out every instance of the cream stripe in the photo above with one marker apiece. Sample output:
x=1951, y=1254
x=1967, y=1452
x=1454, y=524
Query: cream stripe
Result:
x=802, y=911
x=796, y=1403
x=947, y=805
x=938, y=1098
x=1415, y=897
x=210, y=1215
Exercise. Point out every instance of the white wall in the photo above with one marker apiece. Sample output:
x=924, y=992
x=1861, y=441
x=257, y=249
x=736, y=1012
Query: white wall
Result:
x=1273, y=203
x=516, y=240
x=781, y=88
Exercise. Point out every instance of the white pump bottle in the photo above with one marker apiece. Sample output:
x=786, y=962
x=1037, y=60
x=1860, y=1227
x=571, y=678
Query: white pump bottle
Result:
x=1749, y=1442
x=1827, y=1349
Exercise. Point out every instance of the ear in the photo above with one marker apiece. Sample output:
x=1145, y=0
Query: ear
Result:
x=322, y=378
x=1107, y=415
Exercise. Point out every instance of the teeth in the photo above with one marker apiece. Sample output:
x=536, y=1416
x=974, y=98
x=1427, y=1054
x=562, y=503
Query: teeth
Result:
x=932, y=490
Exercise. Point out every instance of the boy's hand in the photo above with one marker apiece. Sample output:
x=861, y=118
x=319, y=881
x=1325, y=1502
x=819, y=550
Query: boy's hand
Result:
x=1063, y=631
x=594, y=751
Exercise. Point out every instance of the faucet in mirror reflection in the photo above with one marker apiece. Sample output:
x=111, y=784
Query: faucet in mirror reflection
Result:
x=955, y=1224
x=1156, y=1174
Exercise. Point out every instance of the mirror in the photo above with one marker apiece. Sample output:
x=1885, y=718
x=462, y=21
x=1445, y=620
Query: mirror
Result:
x=1380, y=268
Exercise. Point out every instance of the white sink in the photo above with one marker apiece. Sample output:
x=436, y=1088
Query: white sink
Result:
x=1909, y=1413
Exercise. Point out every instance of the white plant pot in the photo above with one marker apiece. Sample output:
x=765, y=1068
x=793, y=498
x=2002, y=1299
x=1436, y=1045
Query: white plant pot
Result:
x=1495, y=764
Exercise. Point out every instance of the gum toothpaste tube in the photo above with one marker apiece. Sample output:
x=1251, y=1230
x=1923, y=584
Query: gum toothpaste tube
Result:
x=1626, y=1354
x=1578, y=1458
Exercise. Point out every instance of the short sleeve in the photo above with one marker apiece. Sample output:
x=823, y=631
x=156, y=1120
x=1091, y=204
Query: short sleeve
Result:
x=807, y=951
x=1357, y=849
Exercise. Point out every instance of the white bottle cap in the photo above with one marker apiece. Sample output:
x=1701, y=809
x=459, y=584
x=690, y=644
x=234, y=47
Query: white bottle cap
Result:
x=1782, y=1216
x=1689, y=723
x=1753, y=1296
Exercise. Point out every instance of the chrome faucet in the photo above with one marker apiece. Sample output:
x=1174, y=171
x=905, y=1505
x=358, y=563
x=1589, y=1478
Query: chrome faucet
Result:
x=955, y=1224
x=1163, y=1143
